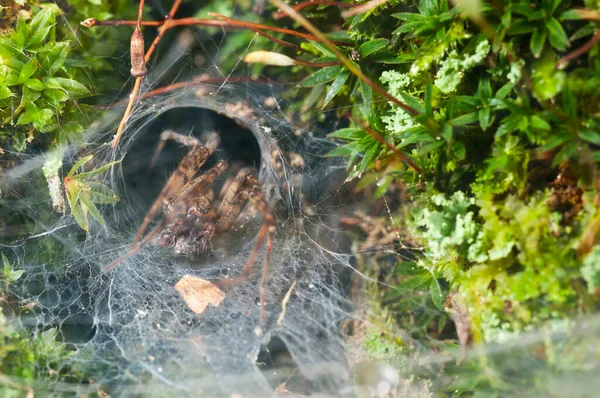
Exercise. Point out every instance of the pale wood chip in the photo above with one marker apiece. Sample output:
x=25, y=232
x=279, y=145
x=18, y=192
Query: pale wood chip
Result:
x=198, y=293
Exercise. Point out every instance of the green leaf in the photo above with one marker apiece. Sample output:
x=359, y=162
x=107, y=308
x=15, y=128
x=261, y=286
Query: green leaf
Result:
x=485, y=90
x=430, y=147
x=415, y=281
x=341, y=151
x=35, y=41
x=436, y=294
x=554, y=142
x=4, y=92
x=86, y=200
x=96, y=171
x=55, y=96
x=465, y=119
x=367, y=94
x=102, y=194
x=593, y=137
x=80, y=214
x=324, y=75
x=348, y=133
x=538, y=38
x=372, y=46
x=72, y=87
x=412, y=102
x=9, y=273
x=42, y=20
x=505, y=90
x=336, y=86
x=539, y=124
x=28, y=70
x=570, y=15
x=484, y=118
x=565, y=153
x=39, y=117
x=428, y=98
x=54, y=58
x=34, y=84
x=558, y=38
x=77, y=165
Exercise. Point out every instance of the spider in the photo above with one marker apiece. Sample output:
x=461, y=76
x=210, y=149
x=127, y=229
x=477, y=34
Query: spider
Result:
x=193, y=217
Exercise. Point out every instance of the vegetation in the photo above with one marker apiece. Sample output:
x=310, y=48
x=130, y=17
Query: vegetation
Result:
x=492, y=134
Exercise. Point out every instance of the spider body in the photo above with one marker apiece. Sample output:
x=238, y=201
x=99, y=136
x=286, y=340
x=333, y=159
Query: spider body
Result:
x=191, y=234
x=193, y=216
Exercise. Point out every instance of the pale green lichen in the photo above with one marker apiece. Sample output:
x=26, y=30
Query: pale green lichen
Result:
x=591, y=269
x=397, y=120
x=452, y=225
x=453, y=67
x=514, y=75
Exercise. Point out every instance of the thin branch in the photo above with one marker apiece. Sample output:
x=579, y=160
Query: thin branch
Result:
x=363, y=8
x=132, y=98
x=138, y=80
x=563, y=61
x=587, y=14
x=200, y=80
x=222, y=22
x=308, y=3
x=392, y=148
x=163, y=29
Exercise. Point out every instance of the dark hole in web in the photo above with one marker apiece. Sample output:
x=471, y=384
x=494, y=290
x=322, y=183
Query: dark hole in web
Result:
x=238, y=147
x=280, y=369
x=78, y=328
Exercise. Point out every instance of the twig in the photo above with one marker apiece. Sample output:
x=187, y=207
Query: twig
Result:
x=587, y=14
x=223, y=22
x=563, y=61
x=278, y=41
x=199, y=80
x=249, y=25
x=138, y=79
x=363, y=8
x=308, y=3
x=162, y=29
x=392, y=148
x=132, y=97
x=92, y=22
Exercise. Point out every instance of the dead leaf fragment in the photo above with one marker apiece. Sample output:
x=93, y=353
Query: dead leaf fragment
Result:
x=198, y=293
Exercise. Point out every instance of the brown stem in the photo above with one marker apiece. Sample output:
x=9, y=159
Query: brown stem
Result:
x=92, y=22
x=317, y=64
x=140, y=14
x=178, y=85
x=587, y=14
x=392, y=148
x=308, y=3
x=278, y=41
x=563, y=61
x=138, y=80
x=132, y=97
x=226, y=23
x=245, y=24
x=163, y=29
x=363, y=8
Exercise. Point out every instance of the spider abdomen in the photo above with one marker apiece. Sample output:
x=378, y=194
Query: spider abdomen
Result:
x=190, y=235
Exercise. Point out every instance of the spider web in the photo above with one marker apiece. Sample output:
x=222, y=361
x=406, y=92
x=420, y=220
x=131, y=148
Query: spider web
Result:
x=130, y=330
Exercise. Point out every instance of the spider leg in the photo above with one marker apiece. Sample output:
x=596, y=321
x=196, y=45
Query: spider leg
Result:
x=190, y=164
x=182, y=204
x=233, y=200
x=245, y=188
